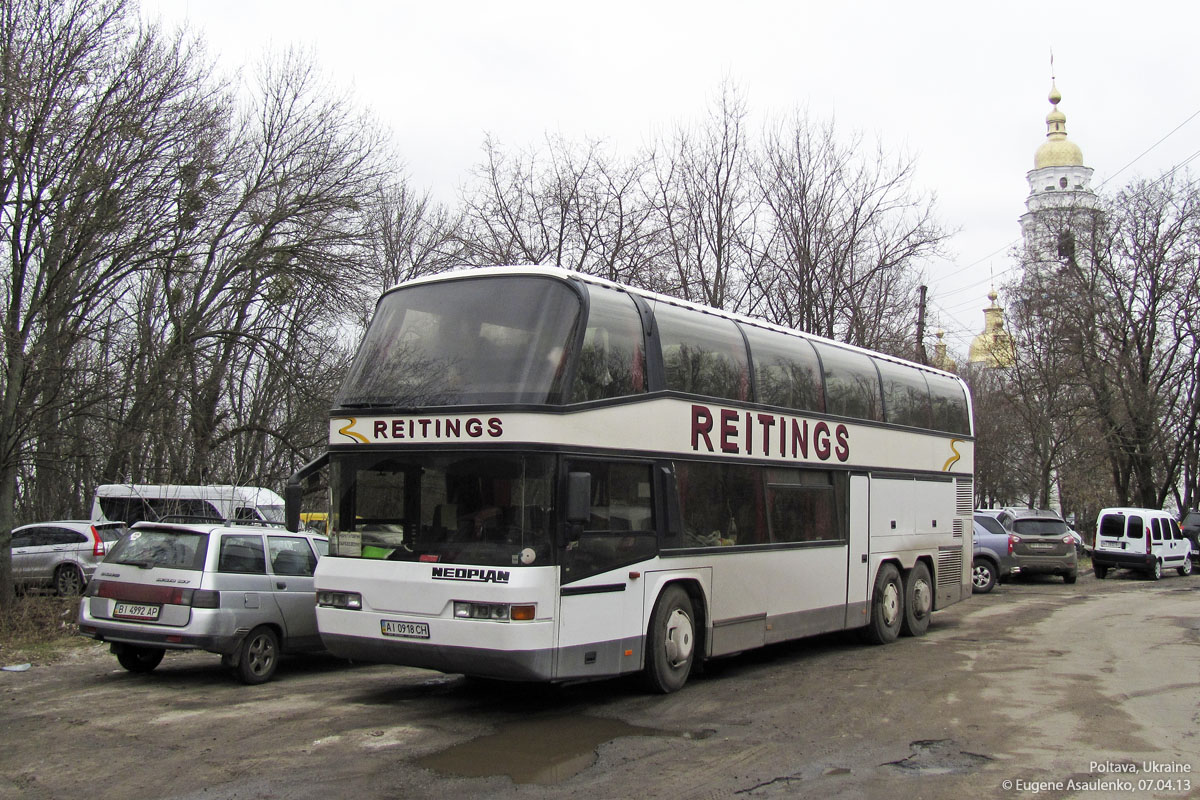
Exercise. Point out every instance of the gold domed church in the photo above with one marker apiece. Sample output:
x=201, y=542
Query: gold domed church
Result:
x=994, y=347
x=1061, y=207
x=1060, y=211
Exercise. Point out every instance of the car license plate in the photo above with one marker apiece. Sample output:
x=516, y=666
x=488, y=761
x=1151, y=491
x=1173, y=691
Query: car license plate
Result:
x=136, y=611
x=407, y=630
x=1041, y=546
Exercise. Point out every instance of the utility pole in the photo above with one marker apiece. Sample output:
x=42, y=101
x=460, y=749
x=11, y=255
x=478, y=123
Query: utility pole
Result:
x=921, y=356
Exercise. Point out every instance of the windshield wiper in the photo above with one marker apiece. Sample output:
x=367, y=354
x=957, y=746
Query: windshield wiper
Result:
x=145, y=563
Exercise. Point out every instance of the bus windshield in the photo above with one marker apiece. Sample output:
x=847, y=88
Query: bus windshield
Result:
x=466, y=341
x=491, y=510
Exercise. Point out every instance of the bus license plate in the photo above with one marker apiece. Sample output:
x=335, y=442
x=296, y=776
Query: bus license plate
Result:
x=407, y=630
x=136, y=611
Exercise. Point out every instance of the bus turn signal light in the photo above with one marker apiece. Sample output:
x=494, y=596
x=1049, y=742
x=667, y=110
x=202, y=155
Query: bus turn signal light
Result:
x=523, y=613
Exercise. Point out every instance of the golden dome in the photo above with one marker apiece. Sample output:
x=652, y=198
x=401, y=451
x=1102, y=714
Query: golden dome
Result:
x=994, y=347
x=1056, y=151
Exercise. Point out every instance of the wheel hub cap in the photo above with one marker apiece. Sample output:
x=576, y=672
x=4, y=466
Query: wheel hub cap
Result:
x=891, y=604
x=679, y=639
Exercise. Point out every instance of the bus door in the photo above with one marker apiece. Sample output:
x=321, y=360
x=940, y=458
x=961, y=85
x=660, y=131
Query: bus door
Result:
x=858, y=578
x=600, y=604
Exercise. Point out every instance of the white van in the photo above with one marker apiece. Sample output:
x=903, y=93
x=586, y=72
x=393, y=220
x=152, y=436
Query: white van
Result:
x=132, y=502
x=1143, y=539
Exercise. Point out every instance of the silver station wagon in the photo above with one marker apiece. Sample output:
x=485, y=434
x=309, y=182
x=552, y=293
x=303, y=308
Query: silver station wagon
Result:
x=243, y=592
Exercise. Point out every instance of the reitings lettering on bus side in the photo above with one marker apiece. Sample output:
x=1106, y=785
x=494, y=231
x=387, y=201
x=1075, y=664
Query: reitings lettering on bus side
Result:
x=751, y=433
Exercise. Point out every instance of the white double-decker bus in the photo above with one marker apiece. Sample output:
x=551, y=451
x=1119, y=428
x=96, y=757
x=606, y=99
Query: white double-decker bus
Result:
x=539, y=475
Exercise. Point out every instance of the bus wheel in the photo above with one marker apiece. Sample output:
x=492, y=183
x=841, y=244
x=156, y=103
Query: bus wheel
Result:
x=670, y=642
x=887, y=607
x=918, y=601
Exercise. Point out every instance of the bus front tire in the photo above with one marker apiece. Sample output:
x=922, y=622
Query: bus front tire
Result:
x=918, y=601
x=887, y=607
x=670, y=642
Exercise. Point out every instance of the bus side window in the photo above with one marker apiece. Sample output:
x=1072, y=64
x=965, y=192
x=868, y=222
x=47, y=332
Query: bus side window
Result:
x=621, y=528
x=722, y=504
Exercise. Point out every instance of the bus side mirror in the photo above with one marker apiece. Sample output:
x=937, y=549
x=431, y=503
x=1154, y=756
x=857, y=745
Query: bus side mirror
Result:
x=292, y=494
x=579, y=502
x=293, y=491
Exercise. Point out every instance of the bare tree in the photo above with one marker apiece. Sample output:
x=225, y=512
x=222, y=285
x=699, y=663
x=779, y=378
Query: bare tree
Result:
x=96, y=119
x=284, y=223
x=1119, y=289
x=704, y=205
x=842, y=234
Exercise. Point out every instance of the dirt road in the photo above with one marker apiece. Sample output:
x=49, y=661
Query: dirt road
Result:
x=1038, y=688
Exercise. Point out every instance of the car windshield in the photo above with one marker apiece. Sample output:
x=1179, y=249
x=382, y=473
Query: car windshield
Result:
x=1040, y=527
x=272, y=513
x=161, y=548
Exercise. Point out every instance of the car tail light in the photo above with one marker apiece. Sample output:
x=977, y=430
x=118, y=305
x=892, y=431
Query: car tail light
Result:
x=164, y=595
x=202, y=598
x=1149, y=546
x=98, y=547
x=1068, y=540
x=1012, y=540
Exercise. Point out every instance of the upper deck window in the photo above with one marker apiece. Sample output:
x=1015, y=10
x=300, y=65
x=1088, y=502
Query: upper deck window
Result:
x=851, y=383
x=786, y=370
x=612, y=362
x=905, y=395
x=702, y=353
x=474, y=340
x=949, y=404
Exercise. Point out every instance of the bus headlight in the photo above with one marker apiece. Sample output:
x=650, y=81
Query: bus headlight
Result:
x=351, y=601
x=496, y=612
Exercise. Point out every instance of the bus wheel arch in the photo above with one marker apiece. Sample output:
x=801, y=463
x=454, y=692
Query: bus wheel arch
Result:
x=885, y=612
x=674, y=637
x=918, y=599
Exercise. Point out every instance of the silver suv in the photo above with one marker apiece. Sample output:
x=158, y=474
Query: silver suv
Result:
x=243, y=592
x=62, y=554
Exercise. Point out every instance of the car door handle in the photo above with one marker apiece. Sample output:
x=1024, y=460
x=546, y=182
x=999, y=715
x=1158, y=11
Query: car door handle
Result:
x=280, y=585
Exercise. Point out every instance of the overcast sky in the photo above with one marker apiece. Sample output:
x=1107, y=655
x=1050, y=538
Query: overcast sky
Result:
x=960, y=88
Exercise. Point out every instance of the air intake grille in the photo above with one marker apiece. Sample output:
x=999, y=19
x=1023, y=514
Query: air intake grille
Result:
x=958, y=528
x=965, y=489
x=950, y=563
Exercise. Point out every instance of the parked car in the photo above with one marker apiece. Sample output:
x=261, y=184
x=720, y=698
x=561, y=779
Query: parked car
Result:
x=1042, y=543
x=1190, y=526
x=993, y=561
x=62, y=554
x=1144, y=539
x=245, y=592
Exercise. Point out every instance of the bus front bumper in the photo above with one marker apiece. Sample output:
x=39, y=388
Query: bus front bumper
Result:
x=514, y=665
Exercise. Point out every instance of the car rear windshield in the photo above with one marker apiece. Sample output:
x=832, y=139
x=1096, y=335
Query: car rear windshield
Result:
x=111, y=533
x=1040, y=527
x=161, y=548
x=990, y=523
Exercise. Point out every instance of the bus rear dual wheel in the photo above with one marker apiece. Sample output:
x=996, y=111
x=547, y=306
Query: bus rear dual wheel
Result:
x=899, y=605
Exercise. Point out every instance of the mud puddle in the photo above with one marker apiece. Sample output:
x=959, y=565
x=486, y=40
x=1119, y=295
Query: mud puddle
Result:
x=544, y=750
